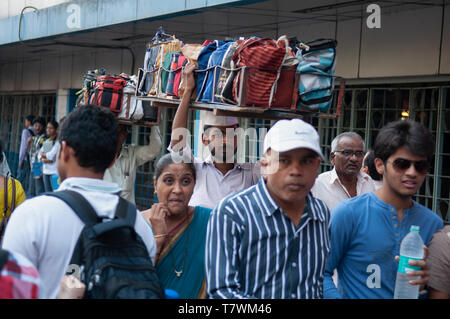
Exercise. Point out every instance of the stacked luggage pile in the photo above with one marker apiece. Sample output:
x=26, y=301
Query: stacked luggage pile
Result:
x=253, y=72
x=259, y=73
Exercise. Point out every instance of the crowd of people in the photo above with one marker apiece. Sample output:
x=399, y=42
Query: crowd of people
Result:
x=224, y=229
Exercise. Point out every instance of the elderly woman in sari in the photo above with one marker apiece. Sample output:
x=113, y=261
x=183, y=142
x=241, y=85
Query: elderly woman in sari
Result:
x=179, y=229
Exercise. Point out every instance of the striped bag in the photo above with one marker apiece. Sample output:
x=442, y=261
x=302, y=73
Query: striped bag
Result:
x=260, y=60
x=317, y=61
x=165, y=47
x=227, y=73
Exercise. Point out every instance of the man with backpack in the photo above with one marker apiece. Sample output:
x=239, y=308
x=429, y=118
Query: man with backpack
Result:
x=80, y=232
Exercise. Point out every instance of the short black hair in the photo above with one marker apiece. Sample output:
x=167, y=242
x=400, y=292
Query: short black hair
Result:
x=1, y=151
x=408, y=133
x=92, y=132
x=369, y=162
x=30, y=118
x=40, y=120
x=54, y=124
x=173, y=158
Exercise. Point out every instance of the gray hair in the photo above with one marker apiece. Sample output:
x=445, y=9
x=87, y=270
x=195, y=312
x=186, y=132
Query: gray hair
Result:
x=336, y=140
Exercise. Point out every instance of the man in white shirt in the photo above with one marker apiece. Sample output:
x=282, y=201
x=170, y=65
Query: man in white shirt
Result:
x=345, y=180
x=219, y=174
x=44, y=229
x=129, y=157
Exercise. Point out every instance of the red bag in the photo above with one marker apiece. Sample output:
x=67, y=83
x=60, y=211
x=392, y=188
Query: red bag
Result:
x=286, y=93
x=108, y=92
x=263, y=59
x=182, y=61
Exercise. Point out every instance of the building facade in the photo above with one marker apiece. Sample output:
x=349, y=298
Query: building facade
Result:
x=394, y=56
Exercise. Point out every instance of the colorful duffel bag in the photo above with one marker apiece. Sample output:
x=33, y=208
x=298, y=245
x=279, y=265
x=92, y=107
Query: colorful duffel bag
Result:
x=206, y=69
x=108, y=92
x=227, y=73
x=259, y=61
x=317, y=61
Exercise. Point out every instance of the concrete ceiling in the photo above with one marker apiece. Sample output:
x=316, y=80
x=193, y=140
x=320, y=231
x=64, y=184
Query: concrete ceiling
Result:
x=268, y=18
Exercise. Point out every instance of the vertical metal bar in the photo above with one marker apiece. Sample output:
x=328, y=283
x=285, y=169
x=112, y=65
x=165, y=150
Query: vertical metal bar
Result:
x=438, y=150
x=368, y=137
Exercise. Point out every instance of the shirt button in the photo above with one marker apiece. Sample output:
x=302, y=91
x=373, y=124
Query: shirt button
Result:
x=293, y=295
x=395, y=225
x=294, y=264
x=396, y=234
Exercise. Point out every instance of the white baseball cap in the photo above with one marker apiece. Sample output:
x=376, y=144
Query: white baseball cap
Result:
x=286, y=135
x=216, y=120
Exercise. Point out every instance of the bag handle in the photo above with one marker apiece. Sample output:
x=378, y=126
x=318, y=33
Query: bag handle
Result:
x=125, y=216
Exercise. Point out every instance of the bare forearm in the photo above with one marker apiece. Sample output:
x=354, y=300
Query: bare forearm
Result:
x=180, y=121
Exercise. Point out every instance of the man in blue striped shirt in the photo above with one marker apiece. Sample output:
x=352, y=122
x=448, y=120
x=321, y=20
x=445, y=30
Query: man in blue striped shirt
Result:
x=272, y=240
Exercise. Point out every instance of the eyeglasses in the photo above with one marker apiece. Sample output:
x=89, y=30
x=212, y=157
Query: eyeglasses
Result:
x=402, y=164
x=350, y=153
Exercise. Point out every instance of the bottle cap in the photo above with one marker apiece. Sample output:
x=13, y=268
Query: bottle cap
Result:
x=171, y=294
x=414, y=228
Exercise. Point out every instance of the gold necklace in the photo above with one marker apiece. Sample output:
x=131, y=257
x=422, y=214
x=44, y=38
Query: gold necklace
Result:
x=180, y=272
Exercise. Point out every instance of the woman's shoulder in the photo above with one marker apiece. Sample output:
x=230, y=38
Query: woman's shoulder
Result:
x=202, y=212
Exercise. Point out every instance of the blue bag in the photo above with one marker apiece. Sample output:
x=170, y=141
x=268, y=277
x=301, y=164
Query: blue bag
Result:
x=316, y=67
x=205, y=77
x=37, y=169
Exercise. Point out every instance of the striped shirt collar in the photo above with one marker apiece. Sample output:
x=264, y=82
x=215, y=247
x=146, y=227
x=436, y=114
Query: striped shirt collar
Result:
x=272, y=206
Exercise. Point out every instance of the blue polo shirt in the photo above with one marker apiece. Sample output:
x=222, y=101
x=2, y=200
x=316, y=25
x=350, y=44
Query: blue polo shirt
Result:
x=365, y=238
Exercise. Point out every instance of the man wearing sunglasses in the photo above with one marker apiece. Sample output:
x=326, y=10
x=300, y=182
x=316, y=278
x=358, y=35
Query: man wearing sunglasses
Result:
x=366, y=231
x=345, y=180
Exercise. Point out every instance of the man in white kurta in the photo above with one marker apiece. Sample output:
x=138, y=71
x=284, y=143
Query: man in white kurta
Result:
x=345, y=180
x=129, y=158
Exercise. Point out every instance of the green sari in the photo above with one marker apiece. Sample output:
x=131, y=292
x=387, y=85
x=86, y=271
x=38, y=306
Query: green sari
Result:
x=184, y=252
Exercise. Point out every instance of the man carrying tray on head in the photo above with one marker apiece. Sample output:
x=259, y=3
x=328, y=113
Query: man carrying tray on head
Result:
x=219, y=174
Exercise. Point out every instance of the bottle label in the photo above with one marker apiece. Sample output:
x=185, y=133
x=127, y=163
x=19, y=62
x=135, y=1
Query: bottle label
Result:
x=404, y=266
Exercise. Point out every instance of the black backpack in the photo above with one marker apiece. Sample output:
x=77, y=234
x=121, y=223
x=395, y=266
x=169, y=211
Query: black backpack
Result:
x=113, y=260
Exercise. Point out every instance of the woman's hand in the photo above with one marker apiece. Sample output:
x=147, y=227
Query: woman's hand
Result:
x=188, y=73
x=423, y=274
x=156, y=216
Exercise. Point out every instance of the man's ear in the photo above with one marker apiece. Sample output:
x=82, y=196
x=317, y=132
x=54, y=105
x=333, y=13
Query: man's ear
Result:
x=65, y=151
x=264, y=161
x=379, y=165
x=332, y=158
x=205, y=140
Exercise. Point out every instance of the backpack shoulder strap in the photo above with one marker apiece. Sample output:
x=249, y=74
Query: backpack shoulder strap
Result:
x=79, y=205
x=3, y=258
x=13, y=199
x=5, y=203
x=31, y=131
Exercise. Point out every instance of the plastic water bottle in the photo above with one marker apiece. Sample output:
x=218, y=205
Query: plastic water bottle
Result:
x=410, y=249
